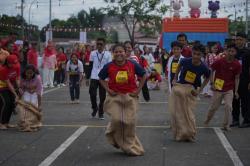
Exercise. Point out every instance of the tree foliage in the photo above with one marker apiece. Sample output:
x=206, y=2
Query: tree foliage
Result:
x=92, y=19
x=16, y=20
x=237, y=25
x=146, y=13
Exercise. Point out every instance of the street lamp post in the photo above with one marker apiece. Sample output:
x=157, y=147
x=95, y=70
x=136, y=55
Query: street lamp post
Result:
x=29, y=15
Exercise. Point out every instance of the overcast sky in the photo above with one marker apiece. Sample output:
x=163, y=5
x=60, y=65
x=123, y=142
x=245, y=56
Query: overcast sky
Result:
x=40, y=13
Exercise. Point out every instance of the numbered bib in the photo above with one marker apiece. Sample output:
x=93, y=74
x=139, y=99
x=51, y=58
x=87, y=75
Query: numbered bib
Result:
x=190, y=77
x=3, y=84
x=174, y=67
x=152, y=79
x=121, y=77
x=219, y=84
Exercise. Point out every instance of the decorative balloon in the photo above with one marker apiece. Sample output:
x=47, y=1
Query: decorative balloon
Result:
x=177, y=4
x=213, y=7
x=195, y=8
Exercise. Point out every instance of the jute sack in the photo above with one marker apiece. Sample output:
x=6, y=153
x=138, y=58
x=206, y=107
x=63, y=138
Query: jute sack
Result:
x=121, y=131
x=181, y=106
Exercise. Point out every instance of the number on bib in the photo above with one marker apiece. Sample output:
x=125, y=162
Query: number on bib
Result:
x=190, y=77
x=219, y=84
x=122, y=77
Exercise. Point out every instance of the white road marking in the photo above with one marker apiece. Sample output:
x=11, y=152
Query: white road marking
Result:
x=52, y=157
x=51, y=90
x=231, y=152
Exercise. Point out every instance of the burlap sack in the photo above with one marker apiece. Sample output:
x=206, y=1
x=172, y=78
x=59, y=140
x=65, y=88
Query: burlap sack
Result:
x=29, y=116
x=121, y=130
x=181, y=106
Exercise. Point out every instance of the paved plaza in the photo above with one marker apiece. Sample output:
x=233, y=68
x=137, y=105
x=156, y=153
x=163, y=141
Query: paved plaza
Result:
x=70, y=137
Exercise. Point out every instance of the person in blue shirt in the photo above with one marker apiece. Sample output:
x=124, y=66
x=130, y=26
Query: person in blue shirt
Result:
x=184, y=94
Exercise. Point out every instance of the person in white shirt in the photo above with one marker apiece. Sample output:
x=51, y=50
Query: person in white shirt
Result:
x=74, y=69
x=98, y=58
x=149, y=57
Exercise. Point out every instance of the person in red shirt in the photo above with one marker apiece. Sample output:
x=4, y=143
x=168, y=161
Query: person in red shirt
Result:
x=33, y=55
x=86, y=64
x=224, y=82
x=61, y=67
x=7, y=91
x=122, y=101
x=154, y=80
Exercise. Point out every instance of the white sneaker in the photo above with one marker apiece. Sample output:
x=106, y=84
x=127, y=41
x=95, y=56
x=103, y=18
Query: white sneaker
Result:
x=62, y=84
x=77, y=102
x=51, y=86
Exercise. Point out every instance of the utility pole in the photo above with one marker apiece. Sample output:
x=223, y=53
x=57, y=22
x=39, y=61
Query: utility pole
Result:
x=50, y=27
x=22, y=2
x=247, y=17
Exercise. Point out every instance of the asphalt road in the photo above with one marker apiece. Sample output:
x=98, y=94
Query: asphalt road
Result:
x=70, y=137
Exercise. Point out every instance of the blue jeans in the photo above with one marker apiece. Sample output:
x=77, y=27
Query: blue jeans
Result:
x=74, y=87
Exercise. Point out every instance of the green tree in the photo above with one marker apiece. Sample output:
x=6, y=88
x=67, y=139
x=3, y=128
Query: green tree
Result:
x=237, y=25
x=84, y=19
x=131, y=13
x=17, y=21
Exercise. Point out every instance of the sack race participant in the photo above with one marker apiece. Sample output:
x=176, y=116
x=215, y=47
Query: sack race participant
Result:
x=7, y=91
x=173, y=62
x=30, y=104
x=186, y=88
x=122, y=102
x=224, y=79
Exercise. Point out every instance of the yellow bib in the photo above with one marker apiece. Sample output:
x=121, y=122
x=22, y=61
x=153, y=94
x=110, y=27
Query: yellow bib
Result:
x=174, y=67
x=3, y=84
x=121, y=77
x=219, y=84
x=190, y=77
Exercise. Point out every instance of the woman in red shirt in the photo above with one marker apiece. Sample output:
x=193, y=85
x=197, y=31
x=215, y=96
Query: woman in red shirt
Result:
x=86, y=64
x=154, y=80
x=7, y=92
x=33, y=55
x=122, y=102
x=61, y=67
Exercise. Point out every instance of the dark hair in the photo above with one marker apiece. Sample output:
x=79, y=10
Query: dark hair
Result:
x=101, y=39
x=128, y=42
x=61, y=48
x=30, y=67
x=118, y=45
x=25, y=44
x=176, y=44
x=182, y=35
x=199, y=47
x=74, y=53
x=232, y=46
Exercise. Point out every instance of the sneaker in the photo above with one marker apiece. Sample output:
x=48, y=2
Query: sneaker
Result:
x=101, y=117
x=45, y=86
x=62, y=85
x=72, y=102
x=235, y=124
x=93, y=114
x=77, y=102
